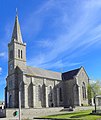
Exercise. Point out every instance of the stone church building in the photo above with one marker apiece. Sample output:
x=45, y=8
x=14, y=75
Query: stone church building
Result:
x=40, y=88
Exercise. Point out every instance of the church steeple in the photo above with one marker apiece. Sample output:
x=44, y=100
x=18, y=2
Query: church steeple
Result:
x=16, y=49
x=16, y=36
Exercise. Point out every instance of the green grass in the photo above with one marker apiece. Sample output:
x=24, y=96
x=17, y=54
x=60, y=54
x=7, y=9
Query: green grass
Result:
x=81, y=115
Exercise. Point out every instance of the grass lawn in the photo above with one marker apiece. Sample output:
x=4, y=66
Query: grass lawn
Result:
x=81, y=115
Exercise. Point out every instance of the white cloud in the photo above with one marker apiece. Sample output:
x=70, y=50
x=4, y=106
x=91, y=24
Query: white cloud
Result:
x=2, y=54
x=79, y=34
x=2, y=81
x=60, y=65
x=0, y=70
x=92, y=81
x=91, y=4
x=46, y=6
x=45, y=43
x=8, y=30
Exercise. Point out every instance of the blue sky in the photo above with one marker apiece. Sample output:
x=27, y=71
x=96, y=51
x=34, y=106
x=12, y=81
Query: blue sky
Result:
x=60, y=34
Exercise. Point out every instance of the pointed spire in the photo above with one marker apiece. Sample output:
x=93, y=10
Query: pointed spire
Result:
x=16, y=36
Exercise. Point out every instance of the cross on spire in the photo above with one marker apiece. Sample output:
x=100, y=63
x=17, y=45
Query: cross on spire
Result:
x=16, y=12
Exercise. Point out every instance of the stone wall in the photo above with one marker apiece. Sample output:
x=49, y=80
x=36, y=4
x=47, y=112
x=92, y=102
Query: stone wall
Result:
x=2, y=113
x=73, y=90
x=31, y=113
x=69, y=93
x=48, y=88
x=80, y=79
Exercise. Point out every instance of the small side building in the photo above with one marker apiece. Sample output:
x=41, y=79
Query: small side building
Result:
x=75, y=87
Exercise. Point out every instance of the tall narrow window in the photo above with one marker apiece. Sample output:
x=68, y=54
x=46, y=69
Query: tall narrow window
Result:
x=39, y=92
x=10, y=84
x=18, y=53
x=11, y=54
x=21, y=54
x=50, y=94
x=60, y=94
x=84, y=91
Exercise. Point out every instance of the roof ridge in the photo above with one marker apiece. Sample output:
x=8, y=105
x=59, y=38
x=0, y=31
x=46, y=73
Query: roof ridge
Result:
x=44, y=69
x=73, y=70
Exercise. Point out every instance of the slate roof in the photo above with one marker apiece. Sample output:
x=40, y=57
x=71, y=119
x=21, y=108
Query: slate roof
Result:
x=70, y=74
x=33, y=71
x=38, y=72
x=16, y=36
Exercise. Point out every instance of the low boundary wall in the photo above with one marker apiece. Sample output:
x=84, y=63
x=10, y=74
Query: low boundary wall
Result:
x=31, y=113
x=2, y=113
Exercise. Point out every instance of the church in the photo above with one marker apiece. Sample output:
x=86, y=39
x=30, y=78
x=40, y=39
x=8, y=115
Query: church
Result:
x=39, y=87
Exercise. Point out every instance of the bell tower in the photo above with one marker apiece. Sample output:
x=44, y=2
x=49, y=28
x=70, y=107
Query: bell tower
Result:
x=16, y=49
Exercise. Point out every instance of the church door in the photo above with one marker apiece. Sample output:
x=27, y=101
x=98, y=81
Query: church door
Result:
x=10, y=101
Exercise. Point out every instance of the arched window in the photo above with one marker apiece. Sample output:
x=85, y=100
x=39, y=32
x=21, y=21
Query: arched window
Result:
x=39, y=92
x=50, y=94
x=21, y=54
x=60, y=94
x=84, y=91
x=18, y=53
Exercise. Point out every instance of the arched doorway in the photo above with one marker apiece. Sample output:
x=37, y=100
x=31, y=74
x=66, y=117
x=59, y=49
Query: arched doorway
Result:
x=10, y=101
